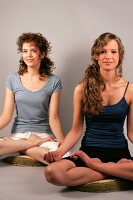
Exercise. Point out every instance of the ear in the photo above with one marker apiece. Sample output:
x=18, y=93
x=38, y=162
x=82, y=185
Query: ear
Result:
x=96, y=57
x=42, y=56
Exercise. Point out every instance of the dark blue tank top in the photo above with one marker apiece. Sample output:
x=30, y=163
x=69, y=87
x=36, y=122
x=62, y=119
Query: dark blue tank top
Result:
x=107, y=129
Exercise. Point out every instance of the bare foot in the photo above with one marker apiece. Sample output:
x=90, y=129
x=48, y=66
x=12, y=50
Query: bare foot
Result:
x=38, y=140
x=48, y=138
x=34, y=139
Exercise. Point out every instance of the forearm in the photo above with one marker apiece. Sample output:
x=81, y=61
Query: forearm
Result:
x=69, y=142
x=57, y=129
x=122, y=170
x=4, y=120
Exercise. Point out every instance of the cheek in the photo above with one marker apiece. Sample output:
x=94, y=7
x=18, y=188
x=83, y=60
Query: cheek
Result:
x=96, y=57
x=100, y=57
x=23, y=57
x=117, y=58
x=38, y=56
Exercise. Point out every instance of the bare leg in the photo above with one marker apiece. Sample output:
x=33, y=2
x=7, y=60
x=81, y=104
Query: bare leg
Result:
x=65, y=173
x=39, y=152
x=11, y=146
x=122, y=169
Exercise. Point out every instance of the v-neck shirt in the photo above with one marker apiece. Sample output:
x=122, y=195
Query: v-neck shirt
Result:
x=32, y=107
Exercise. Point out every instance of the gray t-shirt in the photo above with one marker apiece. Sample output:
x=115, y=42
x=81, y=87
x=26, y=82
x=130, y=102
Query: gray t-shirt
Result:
x=32, y=108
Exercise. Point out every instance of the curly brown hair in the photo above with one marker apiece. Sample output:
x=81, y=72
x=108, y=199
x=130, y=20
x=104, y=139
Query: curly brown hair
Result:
x=43, y=45
x=93, y=83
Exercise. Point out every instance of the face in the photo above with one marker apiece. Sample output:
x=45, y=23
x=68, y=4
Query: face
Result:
x=31, y=55
x=108, y=59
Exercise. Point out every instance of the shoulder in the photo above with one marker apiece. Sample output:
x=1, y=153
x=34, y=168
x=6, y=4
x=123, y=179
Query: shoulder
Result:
x=12, y=81
x=129, y=92
x=130, y=88
x=13, y=76
x=78, y=91
x=54, y=82
x=54, y=77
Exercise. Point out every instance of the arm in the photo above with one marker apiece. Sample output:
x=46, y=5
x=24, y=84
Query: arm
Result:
x=75, y=133
x=130, y=115
x=120, y=169
x=54, y=118
x=7, y=113
x=77, y=126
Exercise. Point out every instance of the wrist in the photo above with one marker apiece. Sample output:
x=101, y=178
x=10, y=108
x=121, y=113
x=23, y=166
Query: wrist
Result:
x=60, y=141
x=60, y=153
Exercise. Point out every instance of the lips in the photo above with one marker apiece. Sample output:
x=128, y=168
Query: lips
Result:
x=29, y=60
x=108, y=63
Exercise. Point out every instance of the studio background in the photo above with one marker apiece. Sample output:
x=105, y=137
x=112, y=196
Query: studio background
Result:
x=71, y=27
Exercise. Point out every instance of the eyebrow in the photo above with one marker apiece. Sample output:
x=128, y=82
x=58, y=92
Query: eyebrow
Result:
x=111, y=49
x=30, y=48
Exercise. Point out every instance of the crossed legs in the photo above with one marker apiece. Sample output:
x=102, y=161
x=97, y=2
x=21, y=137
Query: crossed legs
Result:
x=65, y=172
x=8, y=145
x=39, y=151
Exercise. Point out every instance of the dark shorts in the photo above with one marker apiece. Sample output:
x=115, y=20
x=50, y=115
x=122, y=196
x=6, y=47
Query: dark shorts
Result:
x=104, y=154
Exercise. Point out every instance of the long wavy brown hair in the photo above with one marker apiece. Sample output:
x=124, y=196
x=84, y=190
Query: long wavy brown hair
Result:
x=43, y=45
x=93, y=83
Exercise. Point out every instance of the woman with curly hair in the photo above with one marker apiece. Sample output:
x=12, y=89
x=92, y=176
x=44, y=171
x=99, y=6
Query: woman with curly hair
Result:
x=35, y=93
x=103, y=99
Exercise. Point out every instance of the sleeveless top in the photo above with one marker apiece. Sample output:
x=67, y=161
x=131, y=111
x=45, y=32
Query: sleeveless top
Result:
x=107, y=129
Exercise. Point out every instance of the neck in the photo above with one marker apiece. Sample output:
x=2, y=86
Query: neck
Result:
x=109, y=77
x=32, y=73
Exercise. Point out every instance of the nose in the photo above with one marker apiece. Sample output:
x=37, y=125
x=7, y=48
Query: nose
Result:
x=29, y=53
x=108, y=55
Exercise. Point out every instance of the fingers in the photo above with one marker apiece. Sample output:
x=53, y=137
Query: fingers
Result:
x=50, y=157
x=74, y=157
x=78, y=153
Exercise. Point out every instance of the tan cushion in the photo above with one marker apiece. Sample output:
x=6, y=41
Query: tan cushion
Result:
x=22, y=160
x=108, y=185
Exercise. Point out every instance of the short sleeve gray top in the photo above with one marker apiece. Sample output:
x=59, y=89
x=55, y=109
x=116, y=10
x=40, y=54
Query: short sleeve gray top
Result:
x=32, y=108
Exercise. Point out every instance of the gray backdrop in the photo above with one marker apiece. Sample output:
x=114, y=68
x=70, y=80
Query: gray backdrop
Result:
x=71, y=26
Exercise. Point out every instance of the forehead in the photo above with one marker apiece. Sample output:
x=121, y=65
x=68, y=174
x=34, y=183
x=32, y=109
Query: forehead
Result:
x=29, y=45
x=111, y=45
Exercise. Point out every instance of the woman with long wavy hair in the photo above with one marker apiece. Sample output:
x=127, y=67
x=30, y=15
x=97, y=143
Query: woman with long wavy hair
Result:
x=104, y=99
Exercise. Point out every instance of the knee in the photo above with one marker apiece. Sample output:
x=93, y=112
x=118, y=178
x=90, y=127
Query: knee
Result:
x=54, y=175
x=50, y=173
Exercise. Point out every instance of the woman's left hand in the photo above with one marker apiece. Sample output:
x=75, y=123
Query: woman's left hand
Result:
x=90, y=162
x=52, y=156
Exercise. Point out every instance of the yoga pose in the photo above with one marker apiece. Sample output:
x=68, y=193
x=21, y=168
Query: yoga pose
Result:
x=103, y=99
x=9, y=145
x=35, y=93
